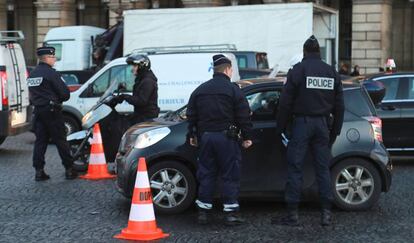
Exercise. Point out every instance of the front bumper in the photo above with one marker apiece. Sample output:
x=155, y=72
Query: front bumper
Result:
x=124, y=179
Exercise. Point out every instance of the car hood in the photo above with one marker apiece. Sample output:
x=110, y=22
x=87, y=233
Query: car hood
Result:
x=150, y=125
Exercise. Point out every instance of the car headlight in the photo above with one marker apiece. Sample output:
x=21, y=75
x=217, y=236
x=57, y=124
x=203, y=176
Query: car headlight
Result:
x=151, y=137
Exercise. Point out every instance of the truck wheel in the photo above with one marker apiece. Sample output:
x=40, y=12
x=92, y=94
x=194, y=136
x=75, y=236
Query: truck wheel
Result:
x=173, y=186
x=2, y=139
x=71, y=125
x=356, y=184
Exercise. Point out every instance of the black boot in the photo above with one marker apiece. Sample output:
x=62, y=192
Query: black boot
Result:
x=70, y=173
x=204, y=216
x=326, y=217
x=291, y=219
x=41, y=175
x=233, y=218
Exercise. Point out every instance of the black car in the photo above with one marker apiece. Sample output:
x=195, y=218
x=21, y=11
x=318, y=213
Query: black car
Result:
x=397, y=111
x=361, y=167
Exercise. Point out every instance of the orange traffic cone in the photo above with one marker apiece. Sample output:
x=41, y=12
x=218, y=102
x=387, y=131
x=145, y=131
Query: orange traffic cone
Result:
x=141, y=223
x=97, y=168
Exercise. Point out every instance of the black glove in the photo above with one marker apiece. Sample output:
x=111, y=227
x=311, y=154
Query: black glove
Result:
x=117, y=99
x=126, y=97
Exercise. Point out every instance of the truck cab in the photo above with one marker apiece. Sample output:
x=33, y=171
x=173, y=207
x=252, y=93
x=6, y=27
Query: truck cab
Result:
x=15, y=112
x=73, y=46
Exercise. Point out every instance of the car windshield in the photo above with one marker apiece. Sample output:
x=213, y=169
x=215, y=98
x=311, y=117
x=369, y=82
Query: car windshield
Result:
x=177, y=115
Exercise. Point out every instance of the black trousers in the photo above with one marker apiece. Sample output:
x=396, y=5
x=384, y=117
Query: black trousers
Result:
x=49, y=124
x=219, y=157
x=309, y=133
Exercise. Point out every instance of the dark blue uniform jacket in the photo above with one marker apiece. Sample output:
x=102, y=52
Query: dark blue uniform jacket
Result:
x=45, y=85
x=217, y=104
x=313, y=88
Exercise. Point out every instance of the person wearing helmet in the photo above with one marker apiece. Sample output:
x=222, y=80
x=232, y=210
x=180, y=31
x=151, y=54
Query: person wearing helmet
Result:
x=144, y=96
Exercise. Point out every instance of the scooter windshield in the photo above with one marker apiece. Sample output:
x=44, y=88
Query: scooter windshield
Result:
x=109, y=91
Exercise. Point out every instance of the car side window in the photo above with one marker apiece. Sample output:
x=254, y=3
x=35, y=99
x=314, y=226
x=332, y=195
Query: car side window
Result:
x=242, y=61
x=264, y=104
x=411, y=88
x=123, y=74
x=391, y=85
x=70, y=79
x=101, y=84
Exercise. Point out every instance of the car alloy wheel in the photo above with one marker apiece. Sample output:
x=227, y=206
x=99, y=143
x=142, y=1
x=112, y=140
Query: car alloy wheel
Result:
x=354, y=184
x=169, y=187
x=173, y=186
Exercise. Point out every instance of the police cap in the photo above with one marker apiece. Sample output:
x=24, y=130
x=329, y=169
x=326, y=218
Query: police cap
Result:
x=220, y=59
x=311, y=44
x=45, y=50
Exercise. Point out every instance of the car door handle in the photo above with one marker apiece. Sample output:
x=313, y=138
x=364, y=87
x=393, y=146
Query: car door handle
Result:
x=388, y=108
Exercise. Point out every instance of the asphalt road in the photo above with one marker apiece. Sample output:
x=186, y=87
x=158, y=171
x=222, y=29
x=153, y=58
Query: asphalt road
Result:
x=59, y=210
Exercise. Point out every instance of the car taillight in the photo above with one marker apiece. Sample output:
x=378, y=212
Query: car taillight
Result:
x=4, y=93
x=376, y=125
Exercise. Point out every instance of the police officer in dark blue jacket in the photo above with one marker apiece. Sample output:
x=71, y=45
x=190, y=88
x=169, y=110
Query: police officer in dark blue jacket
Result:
x=47, y=91
x=313, y=99
x=219, y=115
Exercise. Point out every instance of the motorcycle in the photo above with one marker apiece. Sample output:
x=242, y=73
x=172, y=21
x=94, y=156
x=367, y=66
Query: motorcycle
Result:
x=112, y=125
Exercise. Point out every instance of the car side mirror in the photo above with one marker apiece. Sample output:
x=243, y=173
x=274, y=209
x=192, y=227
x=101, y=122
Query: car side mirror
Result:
x=121, y=87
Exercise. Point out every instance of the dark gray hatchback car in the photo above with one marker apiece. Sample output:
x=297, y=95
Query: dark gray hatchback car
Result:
x=360, y=169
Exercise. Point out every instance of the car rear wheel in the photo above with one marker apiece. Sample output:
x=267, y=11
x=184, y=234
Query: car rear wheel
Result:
x=356, y=184
x=2, y=139
x=173, y=186
x=71, y=125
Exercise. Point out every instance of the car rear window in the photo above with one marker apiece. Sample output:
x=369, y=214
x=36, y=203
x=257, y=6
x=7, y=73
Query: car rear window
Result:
x=358, y=103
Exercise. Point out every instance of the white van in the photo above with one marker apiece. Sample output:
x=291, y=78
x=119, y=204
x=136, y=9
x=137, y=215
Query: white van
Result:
x=15, y=113
x=178, y=75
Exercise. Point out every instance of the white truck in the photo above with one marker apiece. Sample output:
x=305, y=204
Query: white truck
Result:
x=15, y=112
x=73, y=46
x=278, y=29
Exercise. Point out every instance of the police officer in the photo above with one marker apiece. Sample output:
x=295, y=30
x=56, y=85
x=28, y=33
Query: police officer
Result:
x=144, y=96
x=216, y=112
x=313, y=97
x=47, y=91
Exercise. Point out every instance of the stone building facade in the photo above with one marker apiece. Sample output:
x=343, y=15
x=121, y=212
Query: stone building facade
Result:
x=370, y=30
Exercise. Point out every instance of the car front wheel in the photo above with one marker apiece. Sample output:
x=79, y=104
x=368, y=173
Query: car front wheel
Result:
x=173, y=186
x=356, y=184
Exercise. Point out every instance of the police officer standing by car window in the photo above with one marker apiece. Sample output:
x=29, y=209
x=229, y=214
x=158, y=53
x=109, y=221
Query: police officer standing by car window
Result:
x=47, y=91
x=144, y=96
x=219, y=115
x=313, y=97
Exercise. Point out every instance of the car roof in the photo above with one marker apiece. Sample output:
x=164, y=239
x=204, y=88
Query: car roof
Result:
x=382, y=74
x=279, y=81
